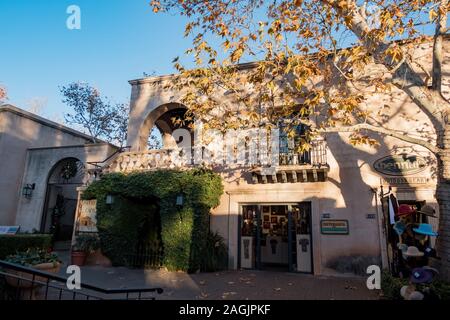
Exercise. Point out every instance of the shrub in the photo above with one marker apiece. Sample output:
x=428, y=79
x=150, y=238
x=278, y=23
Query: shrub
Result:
x=440, y=289
x=86, y=243
x=146, y=211
x=390, y=286
x=215, y=255
x=10, y=244
x=32, y=257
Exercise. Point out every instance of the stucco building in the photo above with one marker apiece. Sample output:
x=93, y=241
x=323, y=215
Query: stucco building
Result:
x=328, y=197
x=305, y=212
x=43, y=163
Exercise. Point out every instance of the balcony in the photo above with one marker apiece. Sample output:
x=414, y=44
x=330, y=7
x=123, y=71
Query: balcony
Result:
x=309, y=166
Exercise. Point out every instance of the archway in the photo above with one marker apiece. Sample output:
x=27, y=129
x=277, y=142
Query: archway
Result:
x=61, y=198
x=162, y=122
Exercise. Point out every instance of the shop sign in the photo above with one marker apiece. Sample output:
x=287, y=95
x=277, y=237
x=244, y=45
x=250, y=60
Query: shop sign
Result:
x=405, y=180
x=87, y=216
x=400, y=165
x=334, y=227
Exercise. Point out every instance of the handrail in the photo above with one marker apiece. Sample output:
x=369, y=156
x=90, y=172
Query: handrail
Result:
x=58, y=278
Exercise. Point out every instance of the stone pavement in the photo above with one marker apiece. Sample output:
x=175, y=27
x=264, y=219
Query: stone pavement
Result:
x=233, y=285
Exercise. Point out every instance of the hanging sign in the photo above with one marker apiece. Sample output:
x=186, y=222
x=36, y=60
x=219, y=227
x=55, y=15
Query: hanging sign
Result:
x=400, y=165
x=334, y=227
x=87, y=216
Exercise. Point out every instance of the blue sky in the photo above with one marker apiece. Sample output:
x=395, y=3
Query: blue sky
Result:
x=119, y=40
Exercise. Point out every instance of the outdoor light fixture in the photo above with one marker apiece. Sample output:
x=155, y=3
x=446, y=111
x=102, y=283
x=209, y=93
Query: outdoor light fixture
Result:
x=27, y=190
x=180, y=200
x=109, y=199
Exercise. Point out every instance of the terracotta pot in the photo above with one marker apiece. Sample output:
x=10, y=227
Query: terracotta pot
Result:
x=78, y=258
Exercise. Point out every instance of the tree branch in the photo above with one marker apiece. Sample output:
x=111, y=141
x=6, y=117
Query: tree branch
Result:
x=441, y=25
x=404, y=77
x=388, y=132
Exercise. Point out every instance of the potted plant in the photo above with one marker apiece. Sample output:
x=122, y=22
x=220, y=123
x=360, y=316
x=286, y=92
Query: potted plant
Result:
x=84, y=244
x=34, y=258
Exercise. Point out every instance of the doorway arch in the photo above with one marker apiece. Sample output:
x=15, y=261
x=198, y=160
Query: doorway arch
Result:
x=58, y=215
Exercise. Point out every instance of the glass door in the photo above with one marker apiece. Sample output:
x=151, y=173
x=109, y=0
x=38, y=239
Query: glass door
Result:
x=249, y=231
x=301, y=220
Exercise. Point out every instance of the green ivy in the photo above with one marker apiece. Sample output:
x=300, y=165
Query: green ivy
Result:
x=183, y=231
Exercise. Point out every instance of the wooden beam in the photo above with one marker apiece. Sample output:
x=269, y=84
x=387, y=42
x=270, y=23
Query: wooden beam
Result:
x=284, y=176
x=274, y=178
x=305, y=176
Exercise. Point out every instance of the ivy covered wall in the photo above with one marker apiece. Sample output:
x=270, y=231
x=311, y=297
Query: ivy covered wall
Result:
x=138, y=197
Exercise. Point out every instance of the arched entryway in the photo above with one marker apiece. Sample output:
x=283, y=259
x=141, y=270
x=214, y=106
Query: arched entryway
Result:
x=61, y=199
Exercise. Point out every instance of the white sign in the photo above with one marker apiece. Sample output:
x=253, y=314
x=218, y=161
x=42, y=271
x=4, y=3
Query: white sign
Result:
x=87, y=216
x=9, y=230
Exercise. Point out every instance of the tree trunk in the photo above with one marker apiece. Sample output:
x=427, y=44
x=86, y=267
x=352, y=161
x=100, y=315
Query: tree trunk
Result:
x=443, y=199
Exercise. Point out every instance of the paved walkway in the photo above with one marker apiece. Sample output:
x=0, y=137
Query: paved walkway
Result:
x=234, y=285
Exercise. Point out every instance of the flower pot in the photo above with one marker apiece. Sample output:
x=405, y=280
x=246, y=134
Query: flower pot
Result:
x=78, y=258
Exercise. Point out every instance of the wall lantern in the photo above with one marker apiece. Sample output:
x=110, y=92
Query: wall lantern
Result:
x=27, y=190
x=109, y=199
x=179, y=203
x=180, y=200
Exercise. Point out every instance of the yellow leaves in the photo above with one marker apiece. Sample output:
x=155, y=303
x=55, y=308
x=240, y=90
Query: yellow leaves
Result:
x=188, y=29
x=226, y=45
x=358, y=139
x=299, y=83
x=236, y=55
x=432, y=14
x=395, y=53
x=156, y=6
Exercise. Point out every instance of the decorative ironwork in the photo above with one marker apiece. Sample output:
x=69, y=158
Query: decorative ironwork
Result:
x=23, y=283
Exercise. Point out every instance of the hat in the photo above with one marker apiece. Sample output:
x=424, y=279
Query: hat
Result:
x=421, y=275
x=410, y=293
x=433, y=270
x=406, y=291
x=429, y=252
x=404, y=210
x=412, y=252
x=416, y=295
x=399, y=227
x=426, y=229
x=428, y=211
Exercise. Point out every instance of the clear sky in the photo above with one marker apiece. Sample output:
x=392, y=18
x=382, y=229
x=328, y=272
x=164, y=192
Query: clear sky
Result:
x=119, y=40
